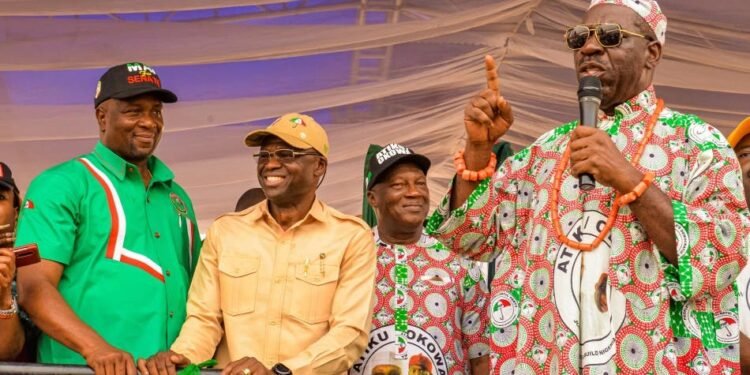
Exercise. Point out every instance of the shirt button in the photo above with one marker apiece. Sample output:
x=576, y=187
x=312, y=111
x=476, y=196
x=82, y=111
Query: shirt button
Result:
x=157, y=235
x=273, y=323
x=169, y=273
x=148, y=200
x=278, y=280
x=171, y=314
x=130, y=169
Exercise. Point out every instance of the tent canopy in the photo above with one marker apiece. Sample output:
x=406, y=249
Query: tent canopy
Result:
x=371, y=71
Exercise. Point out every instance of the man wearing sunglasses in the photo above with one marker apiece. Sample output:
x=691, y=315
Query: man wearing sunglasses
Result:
x=633, y=276
x=287, y=285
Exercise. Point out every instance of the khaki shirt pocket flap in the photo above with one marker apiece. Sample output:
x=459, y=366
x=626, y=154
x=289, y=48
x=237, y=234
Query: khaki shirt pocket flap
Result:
x=315, y=275
x=238, y=266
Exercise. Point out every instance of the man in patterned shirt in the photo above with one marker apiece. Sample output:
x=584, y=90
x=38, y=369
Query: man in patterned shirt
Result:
x=429, y=314
x=587, y=278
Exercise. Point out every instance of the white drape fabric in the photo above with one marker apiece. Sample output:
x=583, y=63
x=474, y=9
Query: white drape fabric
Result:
x=434, y=54
x=79, y=7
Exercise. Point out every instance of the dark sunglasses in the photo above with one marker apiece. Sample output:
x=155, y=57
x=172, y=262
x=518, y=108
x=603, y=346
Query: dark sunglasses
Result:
x=607, y=34
x=282, y=155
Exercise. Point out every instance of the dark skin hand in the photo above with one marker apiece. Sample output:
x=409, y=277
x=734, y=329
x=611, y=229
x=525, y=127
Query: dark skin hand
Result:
x=486, y=118
x=42, y=300
x=744, y=354
x=480, y=366
x=592, y=151
x=7, y=237
x=163, y=363
x=237, y=367
x=7, y=273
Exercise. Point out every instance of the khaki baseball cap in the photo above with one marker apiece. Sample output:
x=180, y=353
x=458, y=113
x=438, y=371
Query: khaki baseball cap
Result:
x=298, y=130
x=739, y=132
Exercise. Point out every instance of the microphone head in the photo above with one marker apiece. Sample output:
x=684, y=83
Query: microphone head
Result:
x=590, y=86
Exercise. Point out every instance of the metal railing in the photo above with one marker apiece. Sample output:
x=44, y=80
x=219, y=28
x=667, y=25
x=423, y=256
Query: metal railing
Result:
x=13, y=368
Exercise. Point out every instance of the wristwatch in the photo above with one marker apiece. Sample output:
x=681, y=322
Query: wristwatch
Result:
x=280, y=369
x=10, y=313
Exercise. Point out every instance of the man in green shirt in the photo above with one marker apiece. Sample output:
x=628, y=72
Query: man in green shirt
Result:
x=117, y=235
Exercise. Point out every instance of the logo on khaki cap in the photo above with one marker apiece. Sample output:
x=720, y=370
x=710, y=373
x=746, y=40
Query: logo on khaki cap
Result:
x=297, y=121
x=297, y=130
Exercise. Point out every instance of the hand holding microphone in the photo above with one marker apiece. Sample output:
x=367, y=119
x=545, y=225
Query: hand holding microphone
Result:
x=594, y=157
x=589, y=99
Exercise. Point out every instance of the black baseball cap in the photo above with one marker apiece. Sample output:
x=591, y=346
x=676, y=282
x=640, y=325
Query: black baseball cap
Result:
x=129, y=80
x=6, y=177
x=388, y=157
x=6, y=180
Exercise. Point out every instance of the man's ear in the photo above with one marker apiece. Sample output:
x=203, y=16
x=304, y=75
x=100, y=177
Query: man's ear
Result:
x=320, y=167
x=372, y=199
x=101, y=116
x=653, y=54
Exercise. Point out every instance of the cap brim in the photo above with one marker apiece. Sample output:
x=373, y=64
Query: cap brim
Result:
x=255, y=139
x=421, y=161
x=164, y=95
x=739, y=132
x=9, y=185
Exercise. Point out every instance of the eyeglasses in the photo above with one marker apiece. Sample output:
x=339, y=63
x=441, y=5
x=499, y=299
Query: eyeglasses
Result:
x=607, y=34
x=282, y=155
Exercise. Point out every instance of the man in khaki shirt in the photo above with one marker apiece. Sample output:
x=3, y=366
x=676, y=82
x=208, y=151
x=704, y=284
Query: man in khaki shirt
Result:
x=290, y=279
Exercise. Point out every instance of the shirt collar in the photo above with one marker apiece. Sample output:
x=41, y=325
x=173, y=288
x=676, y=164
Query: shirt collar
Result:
x=317, y=212
x=644, y=101
x=376, y=236
x=424, y=237
x=118, y=166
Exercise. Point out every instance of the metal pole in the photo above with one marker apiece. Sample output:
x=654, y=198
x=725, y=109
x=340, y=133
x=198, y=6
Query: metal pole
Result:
x=11, y=368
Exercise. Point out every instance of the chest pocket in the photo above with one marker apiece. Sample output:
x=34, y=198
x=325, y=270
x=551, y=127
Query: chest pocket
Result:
x=238, y=282
x=314, y=287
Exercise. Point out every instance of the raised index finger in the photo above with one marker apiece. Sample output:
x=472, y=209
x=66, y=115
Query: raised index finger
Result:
x=493, y=80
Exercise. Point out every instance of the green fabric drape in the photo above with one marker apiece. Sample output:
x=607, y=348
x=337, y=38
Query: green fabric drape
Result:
x=368, y=213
